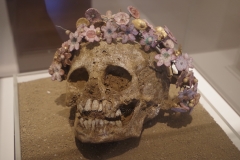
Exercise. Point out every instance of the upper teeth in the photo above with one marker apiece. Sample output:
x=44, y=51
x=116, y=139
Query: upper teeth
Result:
x=104, y=106
x=97, y=106
x=93, y=123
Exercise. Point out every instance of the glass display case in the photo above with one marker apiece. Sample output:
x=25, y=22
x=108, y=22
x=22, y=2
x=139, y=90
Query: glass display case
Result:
x=207, y=30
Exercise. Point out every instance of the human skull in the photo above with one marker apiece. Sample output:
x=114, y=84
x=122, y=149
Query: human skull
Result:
x=115, y=88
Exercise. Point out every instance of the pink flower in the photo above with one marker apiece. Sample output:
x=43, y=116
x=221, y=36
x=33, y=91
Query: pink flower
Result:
x=189, y=60
x=63, y=56
x=170, y=35
x=93, y=15
x=65, y=46
x=121, y=18
x=128, y=33
x=109, y=32
x=184, y=62
x=168, y=43
x=56, y=71
x=74, y=41
x=149, y=39
x=133, y=11
x=80, y=29
x=108, y=16
x=90, y=34
x=165, y=57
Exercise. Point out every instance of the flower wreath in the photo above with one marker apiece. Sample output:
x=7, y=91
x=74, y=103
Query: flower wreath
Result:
x=96, y=27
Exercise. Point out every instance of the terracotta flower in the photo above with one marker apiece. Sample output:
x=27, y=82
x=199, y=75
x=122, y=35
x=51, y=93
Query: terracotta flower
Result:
x=109, y=32
x=184, y=62
x=170, y=35
x=74, y=41
x=168, y=43
x=189, y=60
x=93, y=15
x=62, y=55
x=191, y=78
x=165, y=57
x=80, y=29
x=91, y=34
x=196, y=98
x=108, y=16
x=181, y=108
x=56, y=71
x=186, y=94
x=181, y=63
x=128, y=33
x=121, y=18
x=149, y=39
x=133, y=11
x=65, y=59
x=180, y=78
x=149, y=25
x=65, y=46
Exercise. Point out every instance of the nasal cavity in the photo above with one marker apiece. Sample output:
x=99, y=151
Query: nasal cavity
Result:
x=92, y=89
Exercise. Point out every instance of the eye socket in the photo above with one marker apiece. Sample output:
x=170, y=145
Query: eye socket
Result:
x=79, y=77
x=117, y=78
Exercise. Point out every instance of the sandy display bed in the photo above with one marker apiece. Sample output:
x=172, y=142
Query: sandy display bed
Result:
x=46, y=133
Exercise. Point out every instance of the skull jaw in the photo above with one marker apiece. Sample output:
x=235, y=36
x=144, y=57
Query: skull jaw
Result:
x=105, y=137
x=109, y=132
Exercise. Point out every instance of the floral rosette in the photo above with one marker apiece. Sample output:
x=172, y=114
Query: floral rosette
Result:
x=128, y=27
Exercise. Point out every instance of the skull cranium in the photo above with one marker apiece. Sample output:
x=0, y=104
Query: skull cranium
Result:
x=115, y=90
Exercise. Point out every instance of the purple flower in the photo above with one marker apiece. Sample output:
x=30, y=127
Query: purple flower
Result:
x=74, y=41
x=149, y=39
x=189, y=60
x=180, y=78
x=56, y=71
x=181, y=63
x=91, y=34
x=109, y=32
x=184, y=62
x=170, y=35
x=93, y=15
x=181, y=108
x=128, y=33
x=186, y=94
x=121, y=18
x=165, y=57
x=191, y=78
